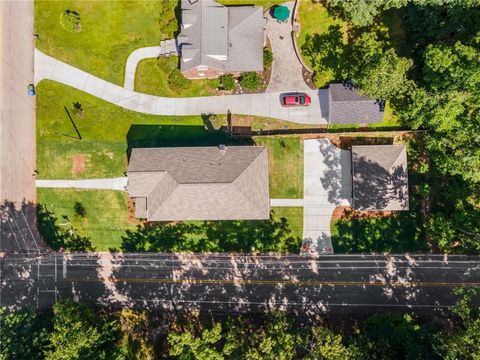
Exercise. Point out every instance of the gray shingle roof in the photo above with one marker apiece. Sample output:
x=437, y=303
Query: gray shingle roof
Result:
x=380, y=177
x=200, y=183
x=346, y=106
x=229, y=39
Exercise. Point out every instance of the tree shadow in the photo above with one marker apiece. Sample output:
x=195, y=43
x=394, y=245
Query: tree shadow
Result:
x=58, y=237
x=273, y=235
x=327, y=51
x=177, y=136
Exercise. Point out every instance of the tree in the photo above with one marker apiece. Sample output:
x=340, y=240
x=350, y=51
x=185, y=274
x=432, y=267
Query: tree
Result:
x=250, y=80
x=78, y=333
x=80, y=209
x=22, y=334
x=326, y=345
x=441, y=231
x=188, y=345
x=227, y=81
x=463, y=342
x=267, y=58
x=386, y=78
x=393, y=336
x=70, y=21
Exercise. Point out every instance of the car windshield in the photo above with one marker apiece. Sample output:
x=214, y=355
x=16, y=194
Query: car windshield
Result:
x=302, y=100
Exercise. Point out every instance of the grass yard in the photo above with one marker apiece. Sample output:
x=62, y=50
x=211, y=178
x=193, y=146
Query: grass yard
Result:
x=162, y=77
x=314, y=20
x=110, y=31
x=107, y=225
x=285, y=161
x=107, y=132
x=106, y=218
x=294, y=217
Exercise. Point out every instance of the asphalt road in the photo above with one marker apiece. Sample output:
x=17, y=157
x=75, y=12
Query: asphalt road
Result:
x=233, y=283
x=17, y=128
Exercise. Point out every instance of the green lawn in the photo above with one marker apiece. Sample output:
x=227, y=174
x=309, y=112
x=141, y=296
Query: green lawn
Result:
x=294, y=217
x=107, y=132
x=161, y=77
x=285, y=162
x=110, y=31
x=314, y=20
x=107, y=226
x=106, y=217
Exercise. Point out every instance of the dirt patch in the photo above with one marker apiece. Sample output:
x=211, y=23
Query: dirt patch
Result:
x=78, y=164
x=110, y=155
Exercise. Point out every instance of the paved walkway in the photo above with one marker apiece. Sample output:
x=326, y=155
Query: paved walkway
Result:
x=327, y=184
x=286, y=69
x=266, y=105
x=166, y=48
x=98, y=184
x=286, y=202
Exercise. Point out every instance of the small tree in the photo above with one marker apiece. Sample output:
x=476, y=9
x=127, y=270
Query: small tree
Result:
x=70, y=21
x=80, y=209
x=78, y=109
x=227, y=81
x=267, y=58
x=250, y=80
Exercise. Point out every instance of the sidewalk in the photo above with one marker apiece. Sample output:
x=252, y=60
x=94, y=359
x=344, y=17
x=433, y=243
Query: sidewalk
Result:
x=98, y=184
x=264, y=104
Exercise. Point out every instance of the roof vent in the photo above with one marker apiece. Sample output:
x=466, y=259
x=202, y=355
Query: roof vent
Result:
x=222, y=148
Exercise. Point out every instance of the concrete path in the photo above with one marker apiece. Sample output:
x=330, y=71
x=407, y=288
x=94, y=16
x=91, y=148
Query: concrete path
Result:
x=166, y=48
x=266, y=105
x=286, y=202
x=99, y=184
x=286, y=69
x=327, y=184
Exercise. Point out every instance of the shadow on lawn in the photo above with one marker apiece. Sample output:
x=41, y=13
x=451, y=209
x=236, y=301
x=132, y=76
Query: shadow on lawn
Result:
x=273, y=235
x=175, y=135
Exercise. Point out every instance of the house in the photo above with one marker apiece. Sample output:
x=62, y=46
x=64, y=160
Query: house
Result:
x=380, y=177
x=347, y=106
x=217, y=39
x=199, y=183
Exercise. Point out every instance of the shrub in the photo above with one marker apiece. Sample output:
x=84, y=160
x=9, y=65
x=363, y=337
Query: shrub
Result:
x=80, y=209
x=177, y=81
x=70, y=21
x=267, y=58
x=250, y=80
x=228, y=81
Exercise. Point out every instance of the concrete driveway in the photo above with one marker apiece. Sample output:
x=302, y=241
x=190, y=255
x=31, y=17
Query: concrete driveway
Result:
x=327, y=184
x=266, y=104
x=286, y=69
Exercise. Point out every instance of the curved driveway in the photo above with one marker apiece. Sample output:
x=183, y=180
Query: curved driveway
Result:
x=265, y=104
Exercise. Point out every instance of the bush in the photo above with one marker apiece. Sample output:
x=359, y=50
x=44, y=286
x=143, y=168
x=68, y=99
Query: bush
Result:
x=70, y=21
x=227, y=81
x=267, y=58
x=177, y=80
x=250, y=80
x=80, y=209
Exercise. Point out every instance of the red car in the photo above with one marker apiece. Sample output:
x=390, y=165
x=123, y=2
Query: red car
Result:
x=299, y=99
